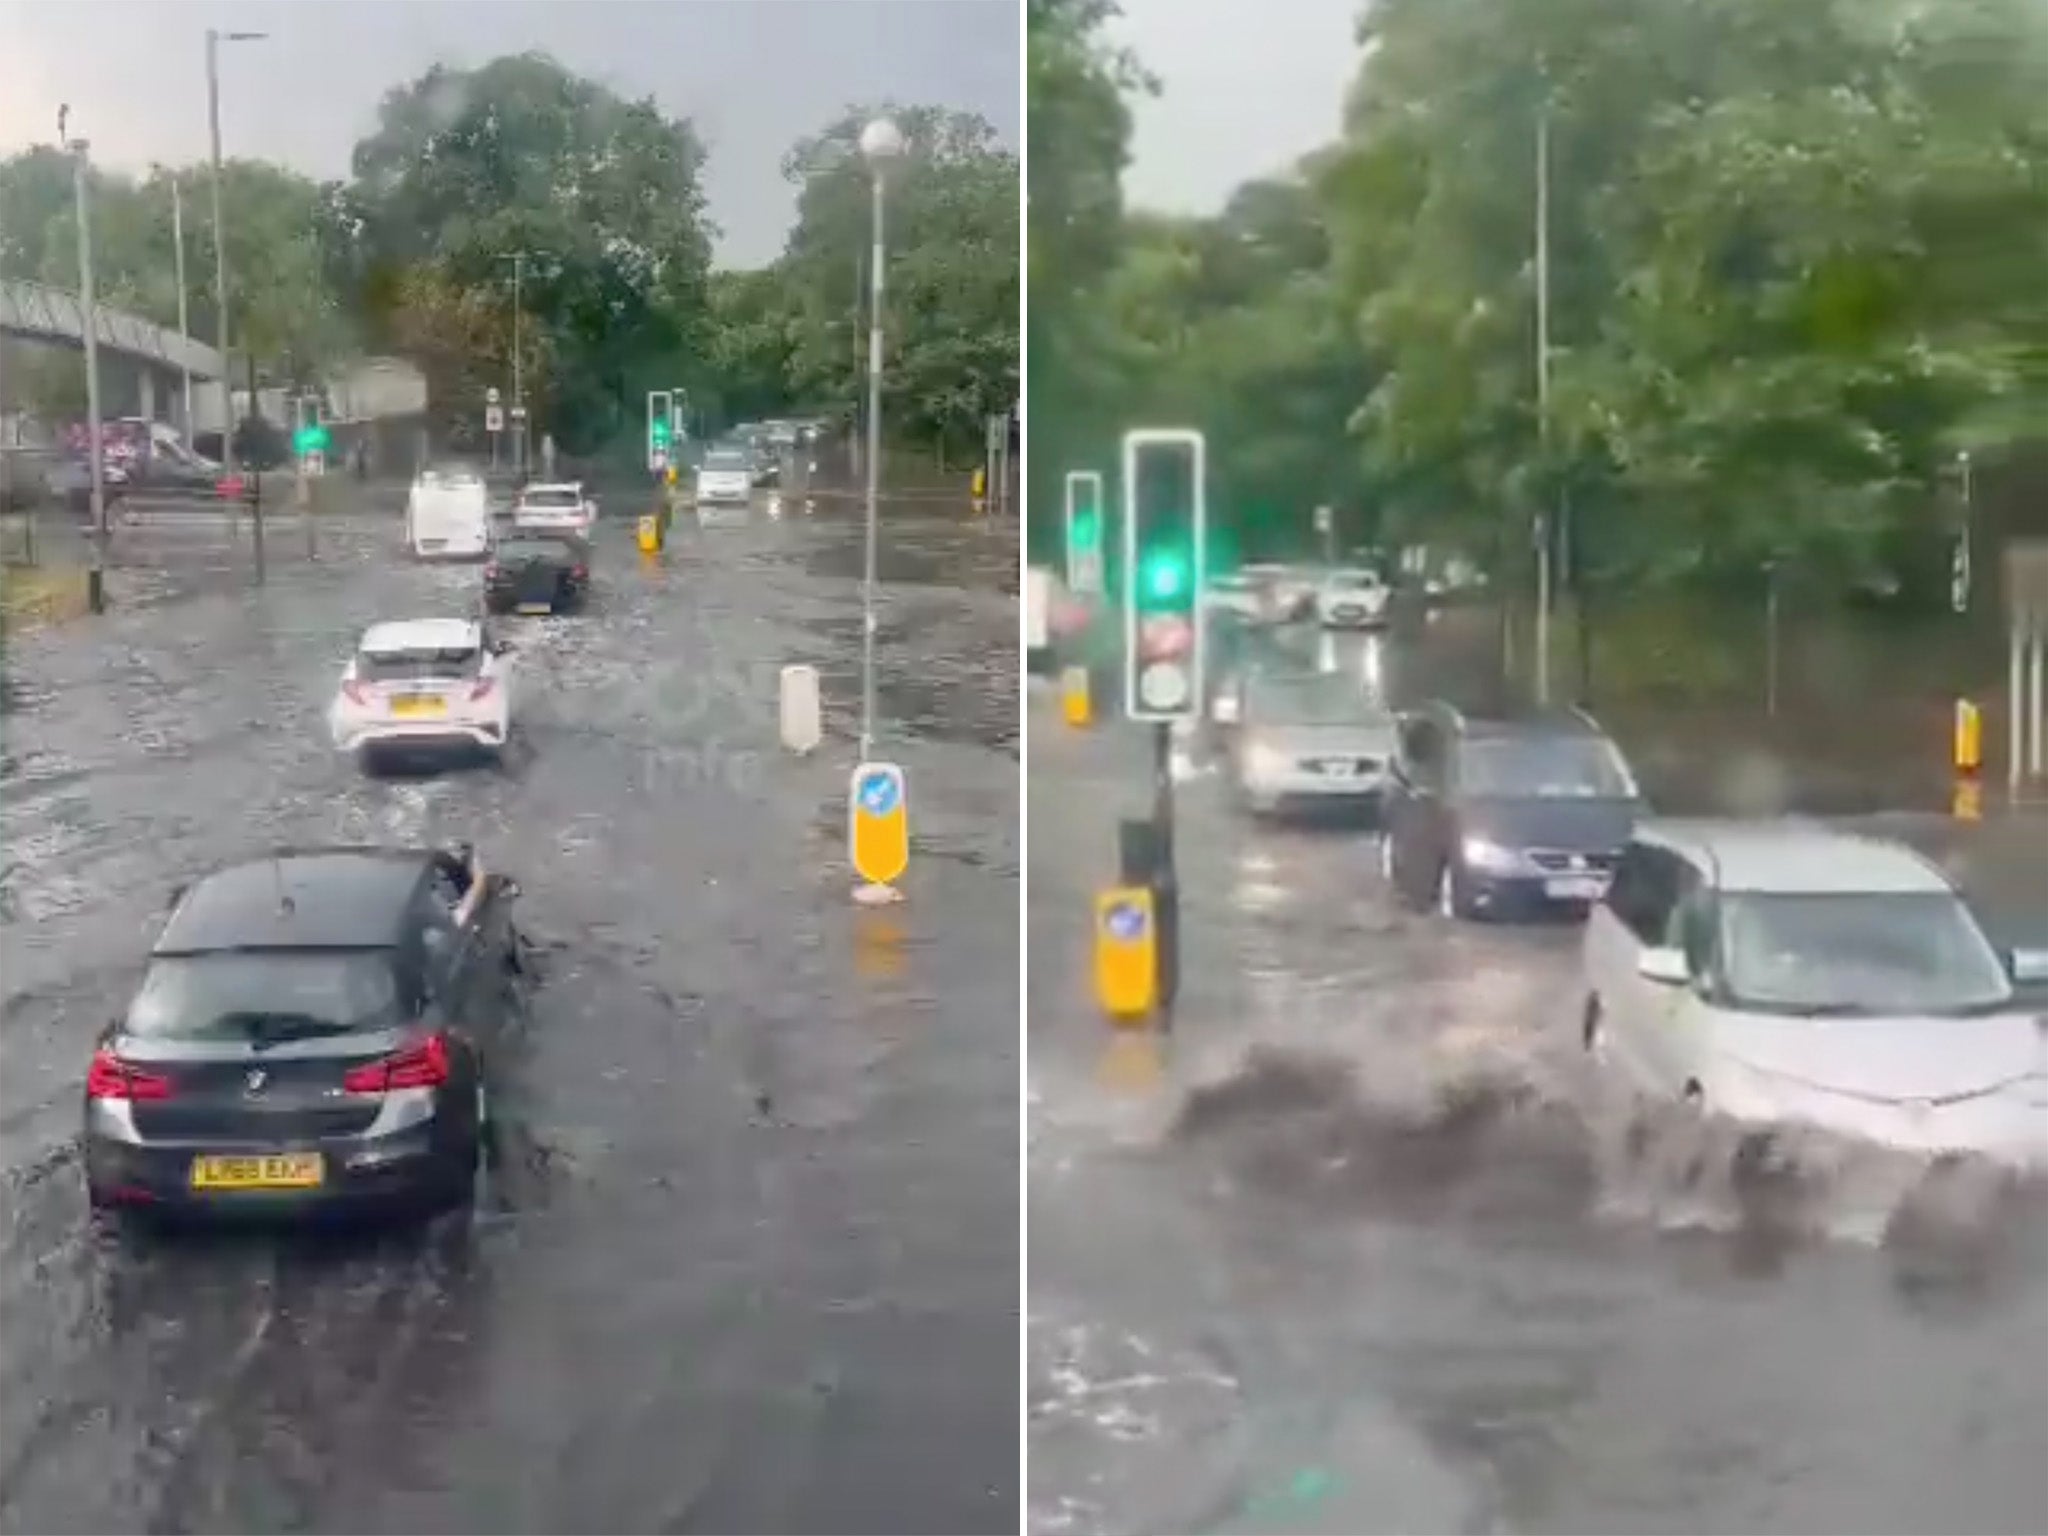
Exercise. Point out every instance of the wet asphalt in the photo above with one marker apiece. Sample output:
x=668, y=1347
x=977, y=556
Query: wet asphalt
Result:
x=747, y=1259
x=1363, y=1246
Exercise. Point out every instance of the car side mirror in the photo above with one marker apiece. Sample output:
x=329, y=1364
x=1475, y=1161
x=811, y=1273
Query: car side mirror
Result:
x=2028, y=967
x=1666, y=967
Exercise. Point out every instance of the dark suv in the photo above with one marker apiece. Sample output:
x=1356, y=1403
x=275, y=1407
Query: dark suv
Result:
x=311, y=1033
x=1505, y=814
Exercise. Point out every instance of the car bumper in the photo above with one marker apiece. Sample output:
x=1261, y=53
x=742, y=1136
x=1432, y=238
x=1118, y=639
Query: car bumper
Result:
x=1507, y=895
x=362, y=1173
x=423, y=736
x=1276, y=794
x=2009, y=1128
x=460, y=547
x=730, y=494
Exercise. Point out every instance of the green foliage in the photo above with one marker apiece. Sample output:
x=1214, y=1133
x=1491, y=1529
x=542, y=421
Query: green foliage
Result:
x=412, y=256
x=1795, y=255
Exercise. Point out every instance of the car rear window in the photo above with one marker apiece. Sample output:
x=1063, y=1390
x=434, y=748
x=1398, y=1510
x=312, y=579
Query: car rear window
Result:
x=725, y=459
x=275, y=995
x=551, y=501
x=537, y=548
x=406, y=666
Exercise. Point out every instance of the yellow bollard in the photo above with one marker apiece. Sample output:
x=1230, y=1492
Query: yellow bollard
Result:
x=980, y=491
x=650, y=534
x=1074, y=699
x=1969, y=737
x=1126, y=953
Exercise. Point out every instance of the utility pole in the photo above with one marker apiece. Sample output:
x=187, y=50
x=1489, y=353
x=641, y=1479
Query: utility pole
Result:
x=860, y=283
x=220, y=252
x=518, y=373
x=1544, y=532
x=184, y=319
x=255, y=471
x=96, y=576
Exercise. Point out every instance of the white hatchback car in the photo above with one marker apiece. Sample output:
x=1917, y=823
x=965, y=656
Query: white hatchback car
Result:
x=425, y=685
x=563, y=507
x=1782, y=973
x=1353, y=600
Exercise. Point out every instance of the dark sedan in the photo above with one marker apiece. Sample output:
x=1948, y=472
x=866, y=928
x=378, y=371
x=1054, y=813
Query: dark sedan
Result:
x=1505, y=815
x=311, y=1034
x=536, y=572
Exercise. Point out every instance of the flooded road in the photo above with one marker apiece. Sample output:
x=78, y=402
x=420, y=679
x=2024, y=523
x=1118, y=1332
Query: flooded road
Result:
x=1365, y=1247
x=748, y=1259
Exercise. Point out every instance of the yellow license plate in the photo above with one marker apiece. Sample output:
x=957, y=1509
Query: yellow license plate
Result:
x=414, y=705
x=286, y=1170
x=536, y=607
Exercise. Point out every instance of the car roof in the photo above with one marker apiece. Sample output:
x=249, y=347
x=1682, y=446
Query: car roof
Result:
x=397, y=636
x=1511, y=722
x=297, y=898
x=1792, y=857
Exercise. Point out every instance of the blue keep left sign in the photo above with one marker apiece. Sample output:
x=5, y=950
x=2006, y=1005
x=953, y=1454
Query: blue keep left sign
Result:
x=878, y=794
x=1125, y=921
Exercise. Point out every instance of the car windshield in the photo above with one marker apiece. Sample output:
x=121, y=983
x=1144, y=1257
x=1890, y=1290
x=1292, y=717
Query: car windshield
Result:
x=1545, y=768
x=1323, y=698
x=264, y=995
x=1890, y=954
x=726, y=459
x=410, y=666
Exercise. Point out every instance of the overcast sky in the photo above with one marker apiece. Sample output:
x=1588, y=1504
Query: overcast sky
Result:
x=1248, y=87
x=753, y=75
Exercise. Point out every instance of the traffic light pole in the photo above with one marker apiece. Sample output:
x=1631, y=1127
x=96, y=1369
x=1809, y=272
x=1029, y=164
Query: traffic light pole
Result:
x=1165, y=876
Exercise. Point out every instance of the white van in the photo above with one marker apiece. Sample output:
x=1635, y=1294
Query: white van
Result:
x=448, y=515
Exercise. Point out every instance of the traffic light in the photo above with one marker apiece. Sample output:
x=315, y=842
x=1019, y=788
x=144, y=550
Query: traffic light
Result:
x=1084, y=533
x=660, y=416
x=1165, y=532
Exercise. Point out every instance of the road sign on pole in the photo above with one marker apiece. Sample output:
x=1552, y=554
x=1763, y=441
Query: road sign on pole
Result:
x=878, y=814
x=494, y=418
x=1165, y=558
x=1084, y=533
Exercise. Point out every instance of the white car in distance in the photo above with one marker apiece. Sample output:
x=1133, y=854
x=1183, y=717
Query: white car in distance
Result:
x=448, y=514
x=563, y=507
x=1353, y=599
x=421, y=686
x=727, y=476
x=1786, y=974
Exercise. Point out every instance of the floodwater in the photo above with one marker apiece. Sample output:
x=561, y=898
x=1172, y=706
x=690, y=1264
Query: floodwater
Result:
x=747, y=1259
x=1365, y=1245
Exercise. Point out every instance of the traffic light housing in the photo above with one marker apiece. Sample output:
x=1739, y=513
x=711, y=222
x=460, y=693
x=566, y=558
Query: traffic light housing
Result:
x=1165, y=547
x=660, y=415
x=1084, y=533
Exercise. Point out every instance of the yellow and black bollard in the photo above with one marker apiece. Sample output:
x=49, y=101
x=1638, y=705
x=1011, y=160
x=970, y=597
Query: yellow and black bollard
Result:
x=1967, y=752
x=1075, y=701
x=981, y=490
x=1126, y=954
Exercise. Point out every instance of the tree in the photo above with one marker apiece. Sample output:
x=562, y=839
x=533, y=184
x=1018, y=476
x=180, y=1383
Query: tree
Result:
x=602, y=195
x=952, y=297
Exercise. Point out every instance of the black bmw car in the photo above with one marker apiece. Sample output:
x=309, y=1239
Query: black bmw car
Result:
x=536, y=572
x=312, y=1033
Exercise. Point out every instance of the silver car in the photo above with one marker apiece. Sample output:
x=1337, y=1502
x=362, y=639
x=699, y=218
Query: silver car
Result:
x=1314, y=740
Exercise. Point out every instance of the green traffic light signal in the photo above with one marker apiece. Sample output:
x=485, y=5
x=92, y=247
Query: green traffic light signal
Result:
x=1163, y=578
x=660, y=432
x=1086, y=531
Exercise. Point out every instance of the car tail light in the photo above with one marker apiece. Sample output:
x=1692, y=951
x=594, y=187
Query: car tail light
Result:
x=353, y=692
x=483, y=688
x=580, y=572
x=417, y=1066
x=110, y=1077
x=492, y=571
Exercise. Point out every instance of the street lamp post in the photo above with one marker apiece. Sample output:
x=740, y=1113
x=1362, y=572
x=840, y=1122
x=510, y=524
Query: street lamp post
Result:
x=518, y=260
x=220, y=237
x=880, y=143
x=1545, y=533
x=184, y=317
x=96, y=576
